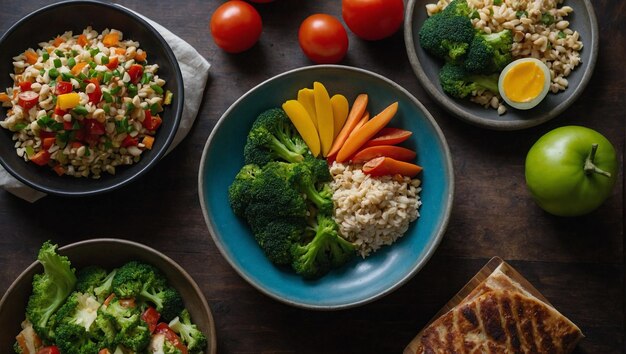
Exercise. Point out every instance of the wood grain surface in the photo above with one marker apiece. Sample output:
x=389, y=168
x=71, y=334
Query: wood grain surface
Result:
x=577, y=263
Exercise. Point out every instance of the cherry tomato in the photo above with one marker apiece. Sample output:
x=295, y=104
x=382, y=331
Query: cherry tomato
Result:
x=27, y=99
x=113, y=63
x=151, y=122
x=567, y=175
x=49, y=350
x=236, y=26
x=373, y=19
x=135, y=71
x=151, y=317
x=323, y=39
x=171, y=336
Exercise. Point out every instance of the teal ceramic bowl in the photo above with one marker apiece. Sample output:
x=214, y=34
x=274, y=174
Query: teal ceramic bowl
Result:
x=362, y=280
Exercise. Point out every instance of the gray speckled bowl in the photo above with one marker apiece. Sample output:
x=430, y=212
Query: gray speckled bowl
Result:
x=108, y=253
x=426, y=68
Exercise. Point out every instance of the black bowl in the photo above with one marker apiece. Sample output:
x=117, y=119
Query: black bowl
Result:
x=50, y=21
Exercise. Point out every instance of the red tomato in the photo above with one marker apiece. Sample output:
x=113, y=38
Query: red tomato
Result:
x=151, y=122
x=113, y=63
x=129, y=141
x=373, y=19
x=25, y=86
x=171, y=336
x=236, y=26
x=135, y=71
x=93, y=127
x=151, y=317
x=48, y=350
x=63, y=87
x=27, y=99
x=323, y=39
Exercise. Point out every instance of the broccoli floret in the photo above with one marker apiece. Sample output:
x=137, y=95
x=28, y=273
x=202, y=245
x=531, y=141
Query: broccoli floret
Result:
x=124, y=317
x=446, y=37
x=195, y=340
x=89, y=278
x=50, y=289
x=327, y=250
x=106, y=287
x=240, y=191
x=457, y=8
x=489, y=53
x=129, y=279
x=136, y=338
x=17, y=349
x=305, y=179
x=458, y=83
x=276, y=238
x=167, y=300
x=273, y=137
x=103, y=329
x=158, y=344
x=79, y=309
x=73, y=339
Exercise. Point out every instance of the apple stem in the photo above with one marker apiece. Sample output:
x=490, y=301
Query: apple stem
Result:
x=590, y=167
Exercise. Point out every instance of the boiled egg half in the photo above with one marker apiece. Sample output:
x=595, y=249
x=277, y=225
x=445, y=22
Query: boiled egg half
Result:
x=524, y=83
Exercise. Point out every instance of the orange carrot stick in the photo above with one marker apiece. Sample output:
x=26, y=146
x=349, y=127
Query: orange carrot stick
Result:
x=364, y=119
x=395, y=152
x=358, y=108
x=367, y=131
x=384, y=166
x=76, y=69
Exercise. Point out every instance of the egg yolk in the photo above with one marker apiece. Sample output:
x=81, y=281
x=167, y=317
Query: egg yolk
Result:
x=523, y=82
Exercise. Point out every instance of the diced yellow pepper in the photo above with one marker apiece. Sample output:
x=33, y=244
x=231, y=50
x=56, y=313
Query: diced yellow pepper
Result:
x=325, y=121
x=340, y=112
x=68, y=100
x=304, y=125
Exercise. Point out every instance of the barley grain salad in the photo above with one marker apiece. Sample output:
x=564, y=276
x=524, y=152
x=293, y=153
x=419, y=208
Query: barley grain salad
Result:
x=539, y=28
x=84, y=104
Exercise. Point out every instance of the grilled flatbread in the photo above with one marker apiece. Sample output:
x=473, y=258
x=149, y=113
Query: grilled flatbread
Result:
x=500, y=316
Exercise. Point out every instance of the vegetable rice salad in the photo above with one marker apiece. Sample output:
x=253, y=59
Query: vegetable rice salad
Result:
x=84, y=104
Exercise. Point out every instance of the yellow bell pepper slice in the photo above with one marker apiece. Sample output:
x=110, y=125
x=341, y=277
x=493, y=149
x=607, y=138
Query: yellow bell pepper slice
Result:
x=325, y=121
x=304, y=125
x=68, y=100
x=307, y=99
x=340, y=107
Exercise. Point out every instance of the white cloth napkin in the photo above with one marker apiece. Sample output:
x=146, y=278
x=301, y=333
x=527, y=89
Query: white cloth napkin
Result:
x=195, y=70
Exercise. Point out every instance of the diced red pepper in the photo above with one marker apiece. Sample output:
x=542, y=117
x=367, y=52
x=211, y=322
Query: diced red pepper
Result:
x=45, y=134
x=49, y=350
x=135, y=71
x=25, y=86
x=93, y=127
x=76, y=144
x=151, y=122
x=48, y=142
x=59, y=111
x=129, y=141
x=68, y=125
x=60, y=170
x=96, y=96
x=41, y=158
x=113, y=63
x=151, y=317
x=28, y=99
x=64, y=87
x=171, y=336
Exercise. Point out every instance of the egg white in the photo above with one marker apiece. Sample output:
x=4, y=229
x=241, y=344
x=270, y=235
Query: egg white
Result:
x=535, y=101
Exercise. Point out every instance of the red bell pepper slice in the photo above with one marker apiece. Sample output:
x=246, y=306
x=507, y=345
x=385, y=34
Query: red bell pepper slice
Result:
x=171, y=336
x=113, y=63
x=135, y=71
x=151, y=317
x=96, y=96
x=129, y=141
x=25, y=86
x=41, y=158
x=151, y=122
x=27, y=99
x=64, y=87
x=48, y=142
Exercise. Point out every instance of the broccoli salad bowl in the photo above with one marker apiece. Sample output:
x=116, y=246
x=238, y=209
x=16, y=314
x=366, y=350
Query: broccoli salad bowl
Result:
x=87, y=105
x=246, y=231
x=68, y=299
x=563, y=35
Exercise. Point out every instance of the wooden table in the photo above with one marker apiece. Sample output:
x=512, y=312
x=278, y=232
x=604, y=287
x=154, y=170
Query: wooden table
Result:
x=578, y=263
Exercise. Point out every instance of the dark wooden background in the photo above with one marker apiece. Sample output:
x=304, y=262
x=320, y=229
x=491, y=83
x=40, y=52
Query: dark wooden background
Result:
x=577, y=263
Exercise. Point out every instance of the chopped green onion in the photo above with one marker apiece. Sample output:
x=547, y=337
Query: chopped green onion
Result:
x=158, y=89
x=30, y=151
x=106, y=107
x=59, y=53
x=108, y=144
x=115, y=90
x=19, y=126
x=87, y=152
x=45, y=121
x=146, y=78
x=562, y=34
x=75, y=125
x=56, y=126
x=154, y=108
x=92, y=73
x=57, y=63
x=132, y=90
x=107, y=97
x=53, y=73
x=106, y=78
x=547, y=19
x=42, y=72
x=81, y=110
x=104, y=59
x=491, y=11
x=94, y=51
x=92, y=64
x=129, y=107
x=116, y=73
x=71, y=62
x=66, y=76
x=45, y=56
x=82, y=76
x=74, y=52
x=497, y=2
x=521, y=14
